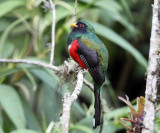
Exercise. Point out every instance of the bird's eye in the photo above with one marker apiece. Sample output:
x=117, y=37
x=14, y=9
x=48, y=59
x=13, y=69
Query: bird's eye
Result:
x=81, y=25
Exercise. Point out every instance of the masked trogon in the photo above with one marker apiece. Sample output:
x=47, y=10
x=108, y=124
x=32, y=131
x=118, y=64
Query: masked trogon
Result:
x=90, y=53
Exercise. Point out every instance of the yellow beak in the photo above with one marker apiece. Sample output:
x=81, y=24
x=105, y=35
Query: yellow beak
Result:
x=74, y=25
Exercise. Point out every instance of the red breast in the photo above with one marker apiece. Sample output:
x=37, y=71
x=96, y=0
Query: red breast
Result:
x=73, y=51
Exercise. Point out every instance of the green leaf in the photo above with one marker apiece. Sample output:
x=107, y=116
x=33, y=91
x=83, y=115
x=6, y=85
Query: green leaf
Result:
x=47, y=76
x=32, y=122
x=127, y=9
x=80, y=111
x=110, y=5
x=23, y=131
x=50, y=102
x=7, y=31
x=61, y=13
x=49, y=90
x=3, y=24
x=120, y=112
x=111, y=127
x=6, y=72
x=1, y=118
x=77, y=112
x=9, y=5
x=30, y=77
x=12, y=105
x=87, y=121
x=82, y=128
x=1, y=130
x=117, y=39
x=8, y=49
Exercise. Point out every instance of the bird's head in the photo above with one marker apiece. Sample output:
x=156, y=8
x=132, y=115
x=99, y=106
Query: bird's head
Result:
x=82, y=27
x=79, y=29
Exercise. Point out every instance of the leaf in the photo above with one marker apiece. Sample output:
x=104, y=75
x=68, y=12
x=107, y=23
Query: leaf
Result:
x=49, y=90
x=141, y=102
x=116, y=113
x=111, y=127
x=31, y=120
x=136, y=118
x=3, y=24
x=7, y=31
x=114, y=37
x=87, y=121
x=8, y=49
x=77, y=112
x=50, y=102
x=9, y=5
x=30, y=77
x=114, y=7
x=1, y=130
x=46, y=76
x=24, y=131
x=134, y=112
x=82, y=128
x=12, y=105
x=8, y=71
x=127, y=9
x=61, y=13
x=109, y=5
x=1, y=118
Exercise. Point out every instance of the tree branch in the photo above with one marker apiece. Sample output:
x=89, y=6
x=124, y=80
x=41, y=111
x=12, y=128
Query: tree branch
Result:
x=50, y=127
x=37, y=63
x=152, y=72
x=88, y=84
x=53, y=31
x=44, y=65
x=75, y=11
x=68, y=100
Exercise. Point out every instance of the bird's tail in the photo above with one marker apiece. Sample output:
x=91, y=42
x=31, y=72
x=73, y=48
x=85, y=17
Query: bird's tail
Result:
x=97, y=107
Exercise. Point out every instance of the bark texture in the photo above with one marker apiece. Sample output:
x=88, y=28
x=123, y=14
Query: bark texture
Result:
x=152, y=71
x=68, y=100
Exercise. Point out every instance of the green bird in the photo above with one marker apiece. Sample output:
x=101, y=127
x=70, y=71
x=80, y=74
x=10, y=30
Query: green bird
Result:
x=90, y=53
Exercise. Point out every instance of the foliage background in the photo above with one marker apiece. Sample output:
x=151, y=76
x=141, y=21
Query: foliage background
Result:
x=30, y=96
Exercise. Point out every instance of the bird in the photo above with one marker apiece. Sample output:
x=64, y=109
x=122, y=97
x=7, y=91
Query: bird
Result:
x=90, y=53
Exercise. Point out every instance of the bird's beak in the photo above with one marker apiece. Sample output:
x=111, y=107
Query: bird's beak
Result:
x=74, y=25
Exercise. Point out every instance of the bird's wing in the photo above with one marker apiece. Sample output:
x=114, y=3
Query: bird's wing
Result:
x=90, y=58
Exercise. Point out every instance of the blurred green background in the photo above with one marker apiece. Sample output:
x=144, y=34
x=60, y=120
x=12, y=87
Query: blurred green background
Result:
x=31, y=97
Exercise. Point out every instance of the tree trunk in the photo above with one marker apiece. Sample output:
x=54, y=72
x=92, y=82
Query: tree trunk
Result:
x=152, y=72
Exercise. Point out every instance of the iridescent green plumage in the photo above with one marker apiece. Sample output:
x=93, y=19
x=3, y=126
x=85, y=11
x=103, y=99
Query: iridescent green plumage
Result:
x=91, y=41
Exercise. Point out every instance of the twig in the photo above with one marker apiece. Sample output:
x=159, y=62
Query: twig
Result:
x=53, y=31
x=68, y=100
x=88, y=84
x=152, y=72
x=50, y=127
x=75, y=11
x=37, y=63
x=40, y=64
